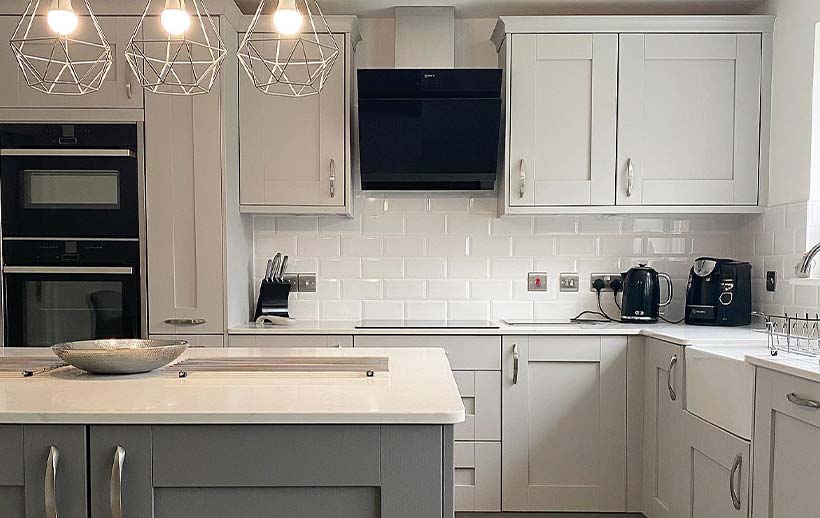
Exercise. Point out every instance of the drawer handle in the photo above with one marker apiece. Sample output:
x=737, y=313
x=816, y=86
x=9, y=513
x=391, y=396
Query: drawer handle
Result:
x=51, y=482
x=732, y=492
x=515, y=364
x=332, y=178
x=672, y=362
x=186, y=321
x=116, y=482
x=522, y=179
x=800, y=401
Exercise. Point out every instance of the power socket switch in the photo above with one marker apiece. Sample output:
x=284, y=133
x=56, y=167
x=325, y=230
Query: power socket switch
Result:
x=607, y=279
x=307, y=283
x=568, y=282
x=537, y=281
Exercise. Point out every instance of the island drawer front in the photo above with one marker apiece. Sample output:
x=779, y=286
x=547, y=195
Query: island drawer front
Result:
x=481, y=393
x=290, y=341
x=265, y=456
x=463, y=352
x=477, y=476
x=11, y=455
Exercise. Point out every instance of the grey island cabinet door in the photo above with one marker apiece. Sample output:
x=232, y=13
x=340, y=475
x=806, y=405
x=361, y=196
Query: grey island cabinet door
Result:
x=689, y=119
x=292, y=152
x=183, y=177
x=55, y=471
x=120, y=467
x=12, y=483
x=120, y=89
x=564, y=423
x=563, y=104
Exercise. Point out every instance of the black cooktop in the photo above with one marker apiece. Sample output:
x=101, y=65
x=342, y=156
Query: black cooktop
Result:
x=426, y=324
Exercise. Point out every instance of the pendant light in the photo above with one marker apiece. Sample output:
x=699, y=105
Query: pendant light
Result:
x=61, y=48
x=286, y=55
x=178, y=53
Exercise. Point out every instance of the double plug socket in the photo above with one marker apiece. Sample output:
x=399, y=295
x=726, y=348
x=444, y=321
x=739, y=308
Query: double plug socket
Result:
x=606, y=278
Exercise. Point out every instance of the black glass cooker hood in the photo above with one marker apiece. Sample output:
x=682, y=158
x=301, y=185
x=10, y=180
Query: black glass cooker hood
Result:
x=429, y=130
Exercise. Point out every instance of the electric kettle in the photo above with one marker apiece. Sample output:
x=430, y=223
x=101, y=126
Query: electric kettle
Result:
x=642, y=294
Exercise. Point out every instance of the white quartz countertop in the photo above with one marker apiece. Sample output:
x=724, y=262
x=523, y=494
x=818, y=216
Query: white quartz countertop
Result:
x=796, y=365
x=419, y=389
x=679, y=334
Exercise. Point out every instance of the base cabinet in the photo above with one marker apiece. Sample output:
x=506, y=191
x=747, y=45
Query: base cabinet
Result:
x=564, y=423
x=477, y=476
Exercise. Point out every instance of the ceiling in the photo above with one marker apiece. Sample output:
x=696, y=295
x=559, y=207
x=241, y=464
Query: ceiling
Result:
x=493, y=8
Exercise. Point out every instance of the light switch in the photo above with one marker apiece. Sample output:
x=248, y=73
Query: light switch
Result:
x=568, y=282
x=537, y=281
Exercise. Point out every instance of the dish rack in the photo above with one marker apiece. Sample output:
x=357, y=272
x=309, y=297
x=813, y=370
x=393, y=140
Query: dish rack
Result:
x=792, y=334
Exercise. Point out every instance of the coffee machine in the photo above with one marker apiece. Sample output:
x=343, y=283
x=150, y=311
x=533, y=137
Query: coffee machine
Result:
x=719, y=293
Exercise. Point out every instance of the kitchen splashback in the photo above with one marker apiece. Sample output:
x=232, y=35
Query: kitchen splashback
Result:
x=446, y=256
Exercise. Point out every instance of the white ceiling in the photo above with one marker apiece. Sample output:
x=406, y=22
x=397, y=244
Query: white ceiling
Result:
x=493, y=8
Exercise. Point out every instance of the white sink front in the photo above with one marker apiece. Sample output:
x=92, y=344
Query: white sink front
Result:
x=720, y=386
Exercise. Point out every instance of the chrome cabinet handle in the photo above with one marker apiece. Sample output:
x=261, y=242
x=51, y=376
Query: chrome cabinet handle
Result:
x=630, y=177
x=672, y=362
x=186, y=321
x=732, y=492
x=800, y=401
x=669, y=293
x=116, y=482
x=332, y=178
x=515, y=364
x=51, y=482
x=522, y=178
x=129, y=90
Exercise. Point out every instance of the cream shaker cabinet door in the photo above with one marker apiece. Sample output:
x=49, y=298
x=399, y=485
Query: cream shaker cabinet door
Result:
x=184, y=213
x=689, y=119
x=563, y=100
x=292, y=150
x=120, y=89
x=564, y=424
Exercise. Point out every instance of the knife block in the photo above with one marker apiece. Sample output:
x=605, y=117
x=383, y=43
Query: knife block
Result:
x=273, y=300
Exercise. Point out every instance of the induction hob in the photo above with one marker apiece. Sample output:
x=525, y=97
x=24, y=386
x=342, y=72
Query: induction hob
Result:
x=426, y=324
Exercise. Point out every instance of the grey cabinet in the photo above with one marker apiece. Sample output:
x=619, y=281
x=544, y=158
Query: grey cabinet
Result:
x=12, y=482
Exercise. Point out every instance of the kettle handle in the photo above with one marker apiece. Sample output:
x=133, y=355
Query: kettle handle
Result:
x=669, y=295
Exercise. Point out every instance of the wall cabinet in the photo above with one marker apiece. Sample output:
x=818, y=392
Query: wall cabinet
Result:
x=295, y=153
x=786, y=457
x=564, y=423
x=120, y=88
x=606, y=114
x=183, y=185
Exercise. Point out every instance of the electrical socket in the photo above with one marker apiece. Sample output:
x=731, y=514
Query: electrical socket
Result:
x=606, y=277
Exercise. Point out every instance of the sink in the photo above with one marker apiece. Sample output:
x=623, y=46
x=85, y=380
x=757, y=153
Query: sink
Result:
x=720, y=386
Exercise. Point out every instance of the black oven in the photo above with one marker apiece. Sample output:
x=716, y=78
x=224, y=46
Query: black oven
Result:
x=69, y=180
x=56, y=291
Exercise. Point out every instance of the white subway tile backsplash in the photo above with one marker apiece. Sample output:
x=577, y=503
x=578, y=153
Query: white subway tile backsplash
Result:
x=489, y=246
x=383, y=267
x=425, y=267
x=425, y=224
x=370, y=204
x=598, y=225
x=645, y=225
x=467, y=267
x=468, y=310
x=556, y=225
x=577, y=246
x=361, y=246
x=666, y=245
x=484, y=205
x=612, y=246
x=297, y=224
x=510, y=267
x=537, y=246
x=318, y=246
x=392, y=223
x=514, y=226
x=404, y=246
x=447, y=246
x=425, y=310
x=447, y=289
x=444, y=203
x=303, y=309
x=340, y=310
x=341, y=268
x=469, y=224
x=404, y=289
x=383, y=309
x=338, y=225
x=361, y=289
x=512, y=309
x=490, y=289
x=406, y=204
x=268, y=243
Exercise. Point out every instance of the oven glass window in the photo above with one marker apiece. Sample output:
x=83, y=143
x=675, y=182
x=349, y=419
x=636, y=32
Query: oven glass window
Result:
x=56, y=311
x=71, y=189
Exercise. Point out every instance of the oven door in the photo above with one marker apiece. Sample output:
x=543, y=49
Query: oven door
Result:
x=68, y=193
x=45, y=305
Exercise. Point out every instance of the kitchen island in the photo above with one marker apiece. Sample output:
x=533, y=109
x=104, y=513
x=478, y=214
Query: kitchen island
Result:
x=232, y=444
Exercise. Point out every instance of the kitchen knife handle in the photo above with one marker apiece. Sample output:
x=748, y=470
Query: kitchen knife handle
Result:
x=51, y=482
x=732, y=491
x=116, y=482
x=186, y=321
x=672, y=362
x=515, y=364
x=332, y=178
x=522, y=177
x=800, y=401
x=630, y=177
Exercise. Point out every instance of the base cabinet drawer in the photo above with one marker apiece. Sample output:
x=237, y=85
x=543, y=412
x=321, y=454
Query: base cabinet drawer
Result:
x=481, y=394
x=193, y=340
x=290, y=341
x=477, y=476
x=463, y=352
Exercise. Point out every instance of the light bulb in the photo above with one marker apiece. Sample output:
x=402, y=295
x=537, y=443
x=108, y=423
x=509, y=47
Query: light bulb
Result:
x=174, y=18
x=61, y=17
x=287, y=19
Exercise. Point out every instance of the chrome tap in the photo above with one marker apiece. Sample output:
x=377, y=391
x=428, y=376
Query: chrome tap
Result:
x=803, y=268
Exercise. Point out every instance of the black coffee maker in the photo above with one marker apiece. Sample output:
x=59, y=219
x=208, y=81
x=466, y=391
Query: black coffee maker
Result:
x=719, y=293
x=641, y=301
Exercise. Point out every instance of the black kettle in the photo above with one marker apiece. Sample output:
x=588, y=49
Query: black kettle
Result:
x=642, y=294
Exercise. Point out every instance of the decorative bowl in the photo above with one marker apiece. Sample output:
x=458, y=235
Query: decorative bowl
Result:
x=119, y=356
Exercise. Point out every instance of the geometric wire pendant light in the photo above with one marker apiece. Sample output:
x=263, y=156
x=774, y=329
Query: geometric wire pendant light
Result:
x=61, y=50
x=294, y=55
x=178, y=53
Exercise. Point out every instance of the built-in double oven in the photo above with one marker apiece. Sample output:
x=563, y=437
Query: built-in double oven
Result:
x=70, y=232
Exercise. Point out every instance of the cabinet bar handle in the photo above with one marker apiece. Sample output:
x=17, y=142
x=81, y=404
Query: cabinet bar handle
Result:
x=51, y=482
x=522, y=178
x=515, y=364
x=116, y=482
x=332, y=178
x=672, y=362
x=186, y=321
x=800, y=401
x=735, y=470
x=630, y=177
